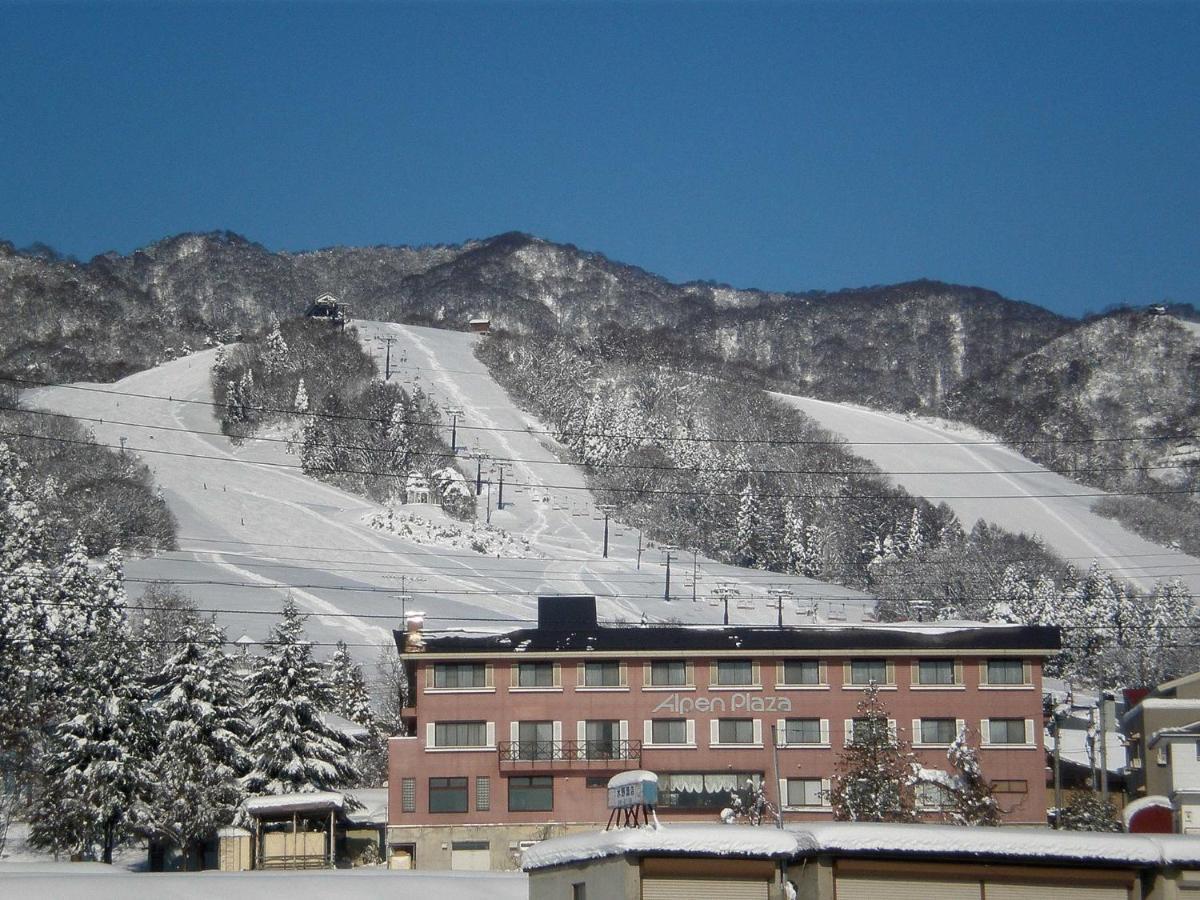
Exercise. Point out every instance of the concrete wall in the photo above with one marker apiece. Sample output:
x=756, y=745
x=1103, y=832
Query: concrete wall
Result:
x=606, y=879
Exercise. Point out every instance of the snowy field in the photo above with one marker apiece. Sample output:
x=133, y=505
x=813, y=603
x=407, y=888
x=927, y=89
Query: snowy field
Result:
x=95, y=881
x=980, y=479
x=252, y=526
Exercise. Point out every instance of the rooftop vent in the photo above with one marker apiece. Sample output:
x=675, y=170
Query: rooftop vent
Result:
x=572, y=613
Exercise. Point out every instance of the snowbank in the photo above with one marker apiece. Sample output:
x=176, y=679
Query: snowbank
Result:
x=81, y=881
x=484, y=539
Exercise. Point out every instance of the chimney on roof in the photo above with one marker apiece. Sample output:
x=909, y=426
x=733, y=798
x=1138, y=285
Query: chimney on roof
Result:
x=571, y=613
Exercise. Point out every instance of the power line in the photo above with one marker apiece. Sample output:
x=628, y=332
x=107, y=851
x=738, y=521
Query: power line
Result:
x=616, y=490
x=742, y=470
x=651, y=436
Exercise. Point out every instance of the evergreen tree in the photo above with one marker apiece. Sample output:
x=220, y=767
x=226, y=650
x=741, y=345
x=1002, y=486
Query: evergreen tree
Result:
x=293, y=749
x=973, y=802
x=98, y=778
x=203, y=730
x=275, y=352
x=746, y=540
x=395, y=694
x=352, y=701
x=873, y=780
x=300, y=404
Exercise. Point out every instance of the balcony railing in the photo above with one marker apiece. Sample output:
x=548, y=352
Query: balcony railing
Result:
x=599, y=755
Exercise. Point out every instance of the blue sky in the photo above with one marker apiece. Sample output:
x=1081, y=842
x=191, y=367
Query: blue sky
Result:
x=1048, y=151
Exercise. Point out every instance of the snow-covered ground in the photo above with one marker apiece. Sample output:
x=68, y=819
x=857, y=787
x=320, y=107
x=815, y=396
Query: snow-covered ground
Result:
x=89, y=881
x=251, y=524
x=981, y=479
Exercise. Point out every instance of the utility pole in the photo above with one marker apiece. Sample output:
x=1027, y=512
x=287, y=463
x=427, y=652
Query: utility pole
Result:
x=695, y=572
x=779, y=594
x=1103, y=746
x=606, y=509
x=500, y=497
x=775, y=756
x=724, y=592
x=454, y=412
x=667, y=586
x=1058, y=769
x=387, y=365
x=639, y=558
x=489, y=502
x=480, y=456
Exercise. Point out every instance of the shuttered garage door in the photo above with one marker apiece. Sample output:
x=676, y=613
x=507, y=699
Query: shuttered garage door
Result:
x=999, y=891
x=706, y=888
x=852, y=887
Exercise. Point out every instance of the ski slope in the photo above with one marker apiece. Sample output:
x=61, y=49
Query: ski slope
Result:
x=982, y=479
x=252, y=527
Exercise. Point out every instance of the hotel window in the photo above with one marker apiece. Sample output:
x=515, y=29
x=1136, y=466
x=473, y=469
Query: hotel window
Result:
x=460, y=734
x=1005, y=672
x=447, y=795
x=1006, y=731
x=602, y=739
x=734, y=673
x=701, y=790
x=738, y=731
x=801, y=672
x=669, y=731
x=936, y=731
x=534, y=793
x=451, y=676
x=804, y=731
x=669, y=673
x=805, y=792
x=869, y=729
x=936, y=671
x=408, y=795
x=1010, y=786
x=602, y=674
x=535, y=675
x=483, y=793
x=934, y=796
x=535, y=740
x=862, y=672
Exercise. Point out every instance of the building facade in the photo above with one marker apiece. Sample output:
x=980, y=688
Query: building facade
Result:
x=1163, y=731
x=514, y=736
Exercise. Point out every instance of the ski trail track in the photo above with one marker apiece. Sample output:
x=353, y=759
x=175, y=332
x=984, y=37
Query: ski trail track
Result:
x=1014, y=492
x=248, y=528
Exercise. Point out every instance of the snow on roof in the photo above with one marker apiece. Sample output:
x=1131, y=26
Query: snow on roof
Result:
x=702, y=840
x=280, y=803
x=1190, y=730
x=633, y=776
x=873, y=839
x=374, y=806
x=1075, y=748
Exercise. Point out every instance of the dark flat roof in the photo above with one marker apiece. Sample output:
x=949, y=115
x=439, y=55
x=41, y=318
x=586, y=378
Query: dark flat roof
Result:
x=751, y=639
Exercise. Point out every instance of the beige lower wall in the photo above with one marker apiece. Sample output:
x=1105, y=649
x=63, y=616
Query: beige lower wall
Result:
x=607, y=879
x=434, y=843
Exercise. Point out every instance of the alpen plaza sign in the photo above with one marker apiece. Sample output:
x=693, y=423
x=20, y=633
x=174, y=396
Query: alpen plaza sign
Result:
x=737, y=701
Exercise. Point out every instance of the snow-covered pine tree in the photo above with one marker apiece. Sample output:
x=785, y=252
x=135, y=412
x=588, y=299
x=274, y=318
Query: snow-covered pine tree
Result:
x=28, y=669
x=352, y=701
x=233, y=402
x=972, y=800
x=873, y=780
x=202, y=753
x=98, y=775
x=275, y=353
x=248, y=393
x=293, y=749
x=300, y=404
x=749, y=805
x=746, y=546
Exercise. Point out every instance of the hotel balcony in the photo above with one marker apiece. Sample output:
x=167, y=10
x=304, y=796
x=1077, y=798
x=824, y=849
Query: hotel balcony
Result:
x=560, y=756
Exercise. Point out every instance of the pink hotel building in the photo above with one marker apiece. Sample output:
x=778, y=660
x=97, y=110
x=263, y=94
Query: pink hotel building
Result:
x=515, y=735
